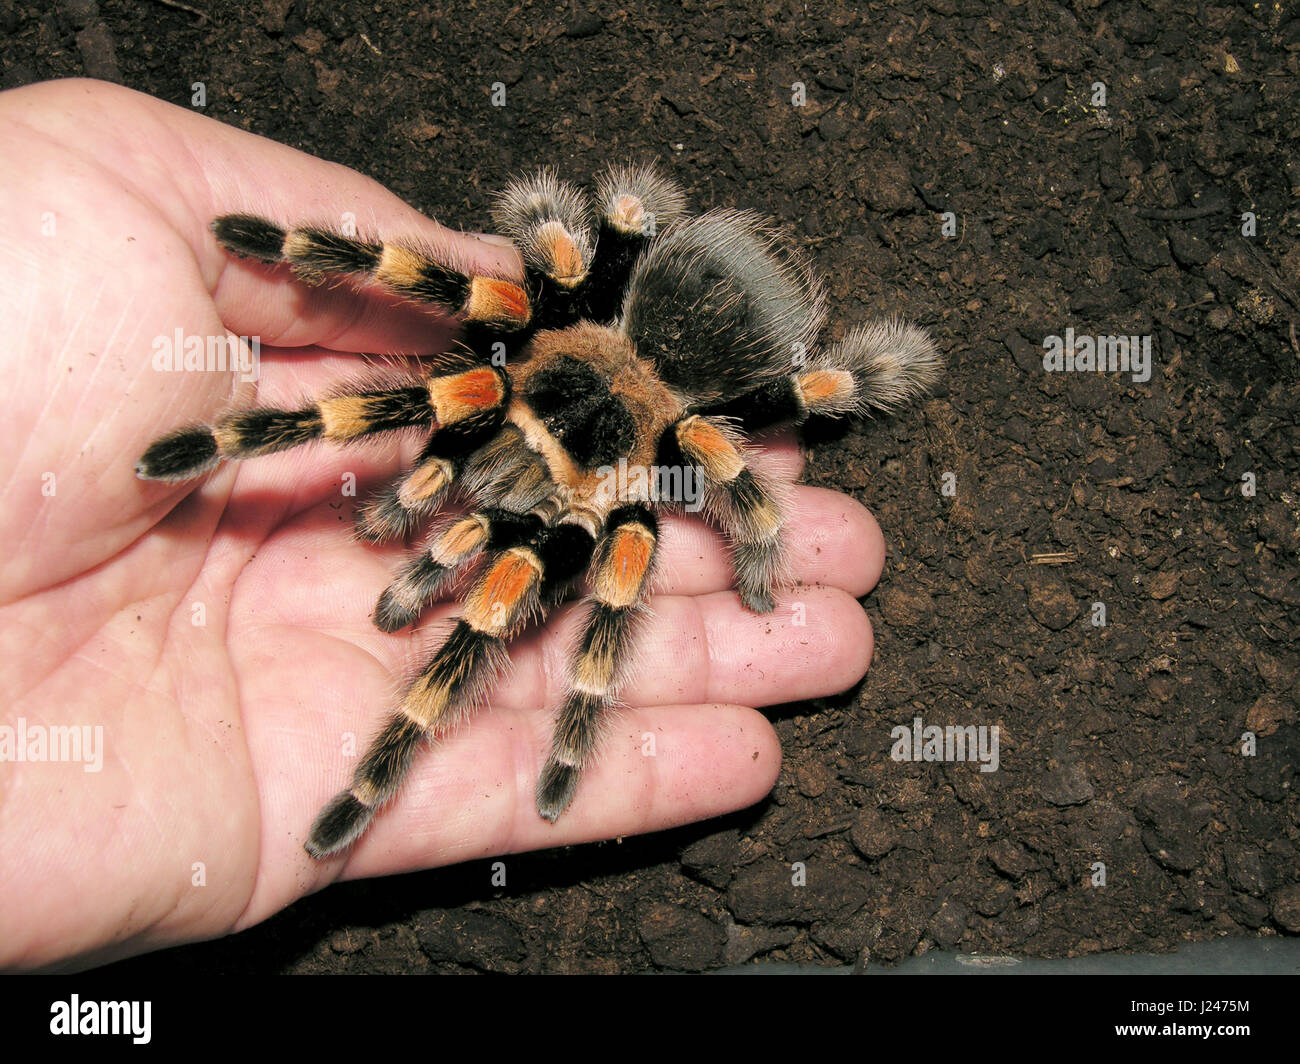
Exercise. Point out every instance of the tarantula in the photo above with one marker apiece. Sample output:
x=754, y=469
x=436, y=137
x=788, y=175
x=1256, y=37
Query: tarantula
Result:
x=639, y=336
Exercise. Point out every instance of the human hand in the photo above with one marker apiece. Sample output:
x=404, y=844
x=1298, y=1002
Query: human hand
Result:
x=222, y=739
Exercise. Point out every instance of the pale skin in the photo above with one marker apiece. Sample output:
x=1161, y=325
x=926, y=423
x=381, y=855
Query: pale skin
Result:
x=219, y=632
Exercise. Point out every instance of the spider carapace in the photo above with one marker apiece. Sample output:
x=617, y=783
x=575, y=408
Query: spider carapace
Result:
x=640, y=338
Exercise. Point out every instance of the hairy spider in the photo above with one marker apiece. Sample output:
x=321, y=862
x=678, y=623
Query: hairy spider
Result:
x=640, y=339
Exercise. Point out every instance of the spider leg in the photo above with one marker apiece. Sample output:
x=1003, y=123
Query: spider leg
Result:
x=881, y=366
x=416, y=274
x=577, y=262
x=490, y=461
x=436, y=402
x=507, y=473
x=550, y=220
x=418, y=493
x=509, y=483
x=430, y=571
x=624, y=557
x=634, y=205
x=452, y=681
x=513, y=586
x=739, y=500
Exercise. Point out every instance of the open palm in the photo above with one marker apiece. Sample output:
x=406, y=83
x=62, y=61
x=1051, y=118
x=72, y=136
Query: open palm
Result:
x=219, y=635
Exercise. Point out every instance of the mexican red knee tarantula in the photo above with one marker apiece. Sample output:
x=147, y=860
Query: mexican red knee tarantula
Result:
x=639, y=336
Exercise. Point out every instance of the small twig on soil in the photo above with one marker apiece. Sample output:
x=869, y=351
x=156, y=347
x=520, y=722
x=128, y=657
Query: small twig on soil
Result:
x=1060, y=557
x=1198, y=303
x=185, y=7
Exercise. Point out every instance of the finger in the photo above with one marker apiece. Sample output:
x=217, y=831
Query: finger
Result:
x=709, y=648
x=699, y=648
x=776, y=453
x=471, y=793
x=691, y=648
x=313, y=574
x=657, y=768
x=214, y=169
x=831, y=539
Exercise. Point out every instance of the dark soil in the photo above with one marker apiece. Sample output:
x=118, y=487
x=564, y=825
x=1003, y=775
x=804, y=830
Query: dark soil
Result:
x=1120, y=743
